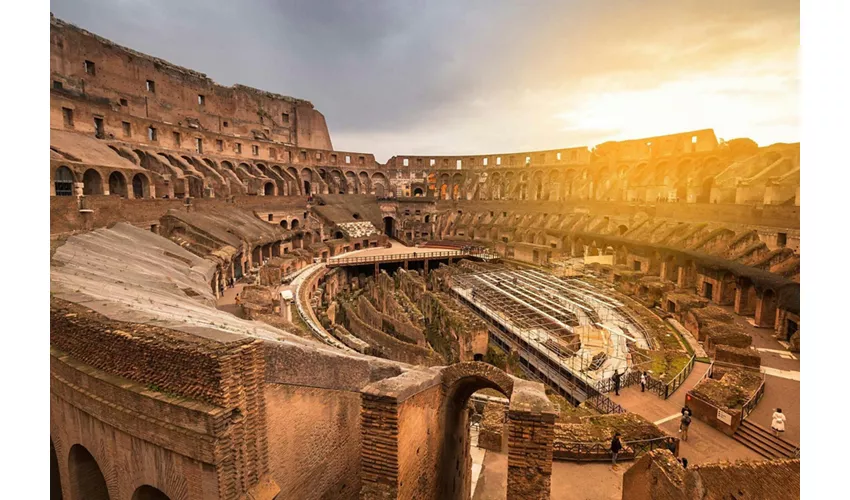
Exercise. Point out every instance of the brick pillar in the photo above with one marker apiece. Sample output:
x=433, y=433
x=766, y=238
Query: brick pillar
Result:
x=686, y=277
x=530, y=437
x=379, y=447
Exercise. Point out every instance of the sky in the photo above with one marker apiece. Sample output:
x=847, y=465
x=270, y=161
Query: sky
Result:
x=443, y=77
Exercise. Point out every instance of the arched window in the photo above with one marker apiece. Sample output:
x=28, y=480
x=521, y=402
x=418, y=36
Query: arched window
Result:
x=85, y=476
x=55, y=482
x=117, y=184
x=92, y=182
x=140, y=186
x=284, y=224
x=147, y=492
x=294, y=223
x=268, y=189
x=63, y=182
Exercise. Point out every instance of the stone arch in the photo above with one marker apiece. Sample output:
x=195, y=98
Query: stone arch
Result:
x=117, y=184
x=380, y=184
x=338, y=182
x=352, y=184
x=269, y=189
x=86, y=479
x=389, y=226
x=55, y=479
x=622, y=229
x=141, y=186
x=537, y=185
x=92, y=182
x=295, y=223
x=307, y=181
x=495, y=186
x=63, y=181
x=459, y=382
x=365, y=184
x=284, y=224
x=552, y=185
x=148, y=492
x=418, y=192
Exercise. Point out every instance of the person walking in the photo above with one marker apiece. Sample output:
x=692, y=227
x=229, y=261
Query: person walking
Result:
x=777, y=423
x=237, y=300
x=616, y=379
x=643, y=382
x=686, y=409
x=616, y=446
x=684, y=424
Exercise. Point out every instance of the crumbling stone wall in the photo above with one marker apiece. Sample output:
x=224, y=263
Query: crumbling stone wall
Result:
x=226, y=373
x=385, y=345
x=657, y=475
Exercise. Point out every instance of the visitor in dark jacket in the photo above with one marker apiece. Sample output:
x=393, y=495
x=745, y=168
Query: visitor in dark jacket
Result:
x=616, y=446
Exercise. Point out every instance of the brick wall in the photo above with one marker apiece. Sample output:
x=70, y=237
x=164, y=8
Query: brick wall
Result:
x=225, y=374
x=107, y=210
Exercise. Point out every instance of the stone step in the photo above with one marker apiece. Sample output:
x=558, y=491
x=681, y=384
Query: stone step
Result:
x=779, y=442
x=766, y=444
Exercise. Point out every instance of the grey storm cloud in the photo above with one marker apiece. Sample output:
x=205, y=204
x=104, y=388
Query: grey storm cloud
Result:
x=395, y=67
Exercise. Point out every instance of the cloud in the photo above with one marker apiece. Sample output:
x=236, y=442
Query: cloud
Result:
x=486, y=76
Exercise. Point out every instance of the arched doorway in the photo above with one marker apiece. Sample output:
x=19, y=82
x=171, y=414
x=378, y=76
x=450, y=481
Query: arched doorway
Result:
x=307, y=191
x=338, y=235
x=140, y=186
x=389, y=226
x=55, y=482
x=268, y=189
x=86, y=479
x=63, y=182
x=294, y=223
x=92, y=182
x=417, y=192
x=461, y=381
x=284, y=224
x=117, y=184
x=147, y=492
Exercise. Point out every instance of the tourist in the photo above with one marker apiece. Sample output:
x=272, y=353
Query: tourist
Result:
x=684, y=424
x=616, y=446
x=643, y=382
x=778, y=422
x=684, y=462
x=687, y=409
x=221, y=288
x=616, y=380
x=237, y=300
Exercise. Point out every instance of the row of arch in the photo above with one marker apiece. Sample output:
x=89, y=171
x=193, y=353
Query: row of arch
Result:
x=65, y=179
x=86, y=479
x=570, y=183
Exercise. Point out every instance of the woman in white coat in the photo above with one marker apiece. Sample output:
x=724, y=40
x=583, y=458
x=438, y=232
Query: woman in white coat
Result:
x=778, y=422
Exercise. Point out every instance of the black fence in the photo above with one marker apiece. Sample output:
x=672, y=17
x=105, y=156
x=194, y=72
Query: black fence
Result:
x=594, y=452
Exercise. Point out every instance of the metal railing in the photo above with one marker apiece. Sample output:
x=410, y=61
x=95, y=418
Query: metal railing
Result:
x=751, y=403
x=476, y=252
x=576, y=451
x=677, y=381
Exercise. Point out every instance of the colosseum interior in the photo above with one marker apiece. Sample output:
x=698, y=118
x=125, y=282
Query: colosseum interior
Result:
x=240, y=311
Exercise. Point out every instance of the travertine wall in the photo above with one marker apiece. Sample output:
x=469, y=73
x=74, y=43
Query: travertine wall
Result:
x=105, y=73
x=314, y=441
